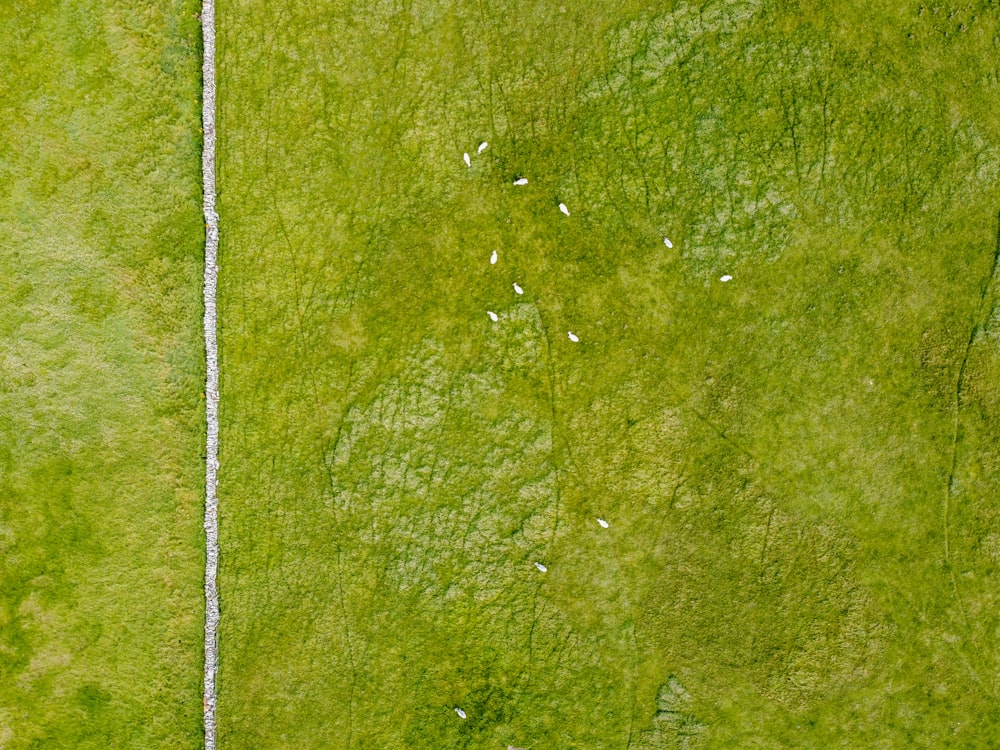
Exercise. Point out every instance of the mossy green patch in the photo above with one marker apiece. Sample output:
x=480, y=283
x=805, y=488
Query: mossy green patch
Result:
x=798, y=465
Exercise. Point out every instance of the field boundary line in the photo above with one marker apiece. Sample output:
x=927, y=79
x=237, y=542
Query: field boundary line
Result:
x=211, y=370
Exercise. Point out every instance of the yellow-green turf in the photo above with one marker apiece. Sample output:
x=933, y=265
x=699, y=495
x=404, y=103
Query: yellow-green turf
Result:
x=101, y=551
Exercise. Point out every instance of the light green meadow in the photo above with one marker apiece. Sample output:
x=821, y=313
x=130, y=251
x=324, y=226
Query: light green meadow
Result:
x=101, y=549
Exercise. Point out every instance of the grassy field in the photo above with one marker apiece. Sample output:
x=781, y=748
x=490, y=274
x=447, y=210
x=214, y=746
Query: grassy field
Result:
x=100, y=376
x=799, y=467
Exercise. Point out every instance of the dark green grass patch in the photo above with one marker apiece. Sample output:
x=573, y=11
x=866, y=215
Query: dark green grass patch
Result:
x=100, y=375
x=799, y=467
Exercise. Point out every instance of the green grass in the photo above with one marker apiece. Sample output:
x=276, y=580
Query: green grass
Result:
x=773, y=454
x=800, y=467
x=100, y=376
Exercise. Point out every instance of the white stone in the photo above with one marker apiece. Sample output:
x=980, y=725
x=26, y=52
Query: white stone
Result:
x=518, y=289
x=211, y=270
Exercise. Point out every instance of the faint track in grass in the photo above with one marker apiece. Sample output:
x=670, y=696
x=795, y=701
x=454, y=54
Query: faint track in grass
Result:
x=980, y=322
x=211, y=371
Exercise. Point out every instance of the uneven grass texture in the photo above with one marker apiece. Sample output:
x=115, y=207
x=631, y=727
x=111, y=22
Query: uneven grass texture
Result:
x=100, y=376
x=799, y=467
